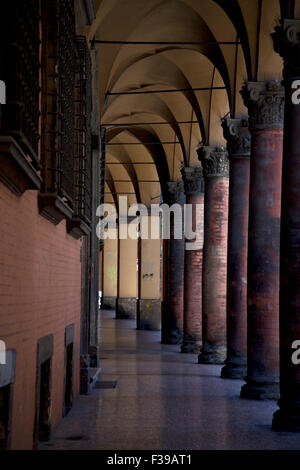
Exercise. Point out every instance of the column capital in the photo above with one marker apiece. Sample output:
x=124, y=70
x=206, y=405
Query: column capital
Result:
x=193, y=179
x=238, y=137
x=176, y=192
x=286, y=40
x=265, y=103
x=214, y=161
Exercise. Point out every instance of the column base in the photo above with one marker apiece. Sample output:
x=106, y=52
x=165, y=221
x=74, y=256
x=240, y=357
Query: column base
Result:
x=88, y=374
x=191, y=345
x=108, y=303
x=149, y=314
x=212, y=355
x=260, y=390
x=126, y=308
x=234, y=369
x=170, y=333
x=94, y=353
x=173, y=337
x=286, y=420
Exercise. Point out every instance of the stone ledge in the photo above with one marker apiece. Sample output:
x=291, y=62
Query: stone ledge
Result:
x=77, y=228
x=53, y=207
x=16, y=171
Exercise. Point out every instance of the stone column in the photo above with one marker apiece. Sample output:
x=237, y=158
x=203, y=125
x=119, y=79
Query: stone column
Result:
x=287, y=418
x=126, y=304
x=110, y=274
x=172, y=317
x=237, y=134
x=149, y=303
x=265, y=102
x=215, y=169
x=192, y=317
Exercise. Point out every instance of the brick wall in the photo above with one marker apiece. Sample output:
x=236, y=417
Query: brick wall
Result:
x=39, y=294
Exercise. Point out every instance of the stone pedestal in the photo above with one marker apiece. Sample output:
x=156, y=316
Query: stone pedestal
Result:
x=108, y=303
x=149, y=314
x=126, y=308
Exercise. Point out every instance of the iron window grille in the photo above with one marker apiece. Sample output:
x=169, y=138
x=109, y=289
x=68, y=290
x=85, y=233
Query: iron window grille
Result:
x=20, y=66
x=102, y=162
x=83, y=138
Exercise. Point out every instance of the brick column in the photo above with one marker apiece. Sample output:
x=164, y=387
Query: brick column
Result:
x=110, y=274
x=237, y=134
x=265, y=102
x=215, y=169
x=172, y=317
x=287, y=418
x=192, y=317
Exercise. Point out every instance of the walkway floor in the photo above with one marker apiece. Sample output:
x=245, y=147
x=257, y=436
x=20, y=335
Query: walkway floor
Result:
x=163, y=400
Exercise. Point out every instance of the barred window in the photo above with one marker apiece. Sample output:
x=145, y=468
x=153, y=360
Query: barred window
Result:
x=58, y=82
x=102, y=174
x=19, y=63
x=81, y=221
x=83, y=144
x=102, y=161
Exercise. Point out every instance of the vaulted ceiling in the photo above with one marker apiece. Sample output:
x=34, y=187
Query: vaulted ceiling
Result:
x=206, y=49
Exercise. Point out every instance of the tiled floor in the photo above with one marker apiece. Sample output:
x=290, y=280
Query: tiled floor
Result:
x=163, y=400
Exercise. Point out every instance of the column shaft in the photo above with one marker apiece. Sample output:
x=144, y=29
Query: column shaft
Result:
x=172, y=317
x=126, y=305
x=192, y=318
x=238, y=139
x=149, y=303
x=110, y=274
x=215, y=169
x=265, y=103
x=287, y=418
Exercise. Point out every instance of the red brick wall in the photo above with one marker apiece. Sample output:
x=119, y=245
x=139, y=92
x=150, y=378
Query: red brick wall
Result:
x=40, y=288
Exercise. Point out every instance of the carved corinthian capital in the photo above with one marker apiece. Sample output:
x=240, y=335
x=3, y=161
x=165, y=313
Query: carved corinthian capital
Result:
x=176, y=192
x=237, y=134
x=193, y=180
x=265, y=103
x=214, y=161
x=286, y=40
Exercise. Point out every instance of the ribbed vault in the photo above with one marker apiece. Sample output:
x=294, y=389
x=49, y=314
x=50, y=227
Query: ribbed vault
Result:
x=204, y=49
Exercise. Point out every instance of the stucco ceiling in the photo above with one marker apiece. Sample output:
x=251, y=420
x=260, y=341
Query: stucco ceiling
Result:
x=229, y=43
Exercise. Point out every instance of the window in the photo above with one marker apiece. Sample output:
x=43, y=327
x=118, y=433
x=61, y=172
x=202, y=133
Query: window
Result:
x=58, y=85
x=82, y=178
x=4, y=416
x=42, y=431
x=19, y=71
x=44, y=411
x=69, y=379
